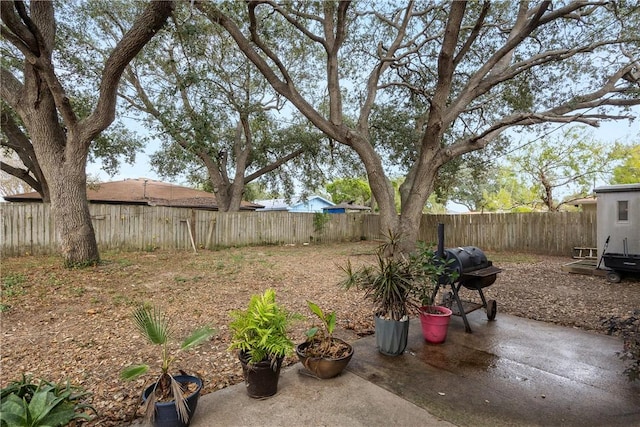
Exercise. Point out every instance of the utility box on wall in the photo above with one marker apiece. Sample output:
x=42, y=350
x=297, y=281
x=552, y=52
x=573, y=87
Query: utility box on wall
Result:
x=618, y=219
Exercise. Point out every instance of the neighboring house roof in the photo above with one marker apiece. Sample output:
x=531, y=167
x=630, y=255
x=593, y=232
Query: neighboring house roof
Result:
x=272, y=205
x=346, y=207
x=142, y=191
x=311, y=204
x=585, y=201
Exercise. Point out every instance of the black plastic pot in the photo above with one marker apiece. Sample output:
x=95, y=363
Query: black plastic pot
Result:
x=166, y=413
x=261, y=379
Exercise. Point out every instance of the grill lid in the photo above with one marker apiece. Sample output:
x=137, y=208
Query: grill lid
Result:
x=465, y=259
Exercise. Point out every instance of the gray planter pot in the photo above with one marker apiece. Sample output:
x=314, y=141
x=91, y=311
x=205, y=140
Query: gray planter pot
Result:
x=391, y=336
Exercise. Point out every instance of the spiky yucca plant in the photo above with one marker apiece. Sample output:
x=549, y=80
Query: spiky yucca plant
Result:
x=399, y=282
x=155, y=326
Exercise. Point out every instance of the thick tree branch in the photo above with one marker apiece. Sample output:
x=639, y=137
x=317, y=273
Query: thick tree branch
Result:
x=380, y=68
x=11, y=89
x=284, y=88
x=474, y=88
x=23, y=175
x=144, y=28
x=18, y=43
x=274, y=165
x=17, y=27
x=16, y=140
x=475, y=32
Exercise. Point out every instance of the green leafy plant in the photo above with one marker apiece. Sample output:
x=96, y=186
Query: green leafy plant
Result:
x=27, y=404
x=155, y=326
x=320, y=219
x=320, y=339
x=261, y=330
x=12, y=285
x=328, y=322
x=428, y=269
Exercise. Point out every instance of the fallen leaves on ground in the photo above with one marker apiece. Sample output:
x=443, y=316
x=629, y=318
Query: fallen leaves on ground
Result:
x=61, y=324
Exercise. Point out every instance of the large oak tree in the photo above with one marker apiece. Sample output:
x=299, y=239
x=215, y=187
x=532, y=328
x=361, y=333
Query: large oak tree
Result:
x=216, y=119
x=466, y=71
x=61, y=137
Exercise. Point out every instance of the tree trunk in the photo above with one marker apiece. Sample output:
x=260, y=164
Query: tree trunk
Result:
x=71, y=214
x=420, y=183
x=63, y=164
x=381, y=189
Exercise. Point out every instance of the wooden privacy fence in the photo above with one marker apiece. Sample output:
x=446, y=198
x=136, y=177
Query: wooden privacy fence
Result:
x=28, y=228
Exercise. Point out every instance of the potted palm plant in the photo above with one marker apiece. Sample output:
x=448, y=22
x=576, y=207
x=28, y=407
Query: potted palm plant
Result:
x=388, y=284
x=259, y=334
x=172, y=399
x=322, y=354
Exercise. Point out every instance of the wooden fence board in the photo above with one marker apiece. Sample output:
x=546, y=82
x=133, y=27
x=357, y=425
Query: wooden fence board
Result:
x=28, y=228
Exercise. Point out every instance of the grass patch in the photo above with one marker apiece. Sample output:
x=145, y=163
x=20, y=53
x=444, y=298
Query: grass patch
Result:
x=13, y=285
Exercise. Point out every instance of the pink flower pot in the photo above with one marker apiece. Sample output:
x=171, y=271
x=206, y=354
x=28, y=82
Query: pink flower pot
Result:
x=435, y=322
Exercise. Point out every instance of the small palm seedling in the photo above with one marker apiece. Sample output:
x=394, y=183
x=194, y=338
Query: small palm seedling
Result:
x=320, y=340
x=322, y=354
x=155, y=327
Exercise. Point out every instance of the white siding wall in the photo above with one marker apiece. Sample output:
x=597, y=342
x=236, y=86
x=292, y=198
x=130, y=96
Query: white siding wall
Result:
x=610, y=226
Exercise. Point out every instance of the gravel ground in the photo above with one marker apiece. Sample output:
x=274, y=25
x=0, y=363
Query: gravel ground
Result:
x=63, y=324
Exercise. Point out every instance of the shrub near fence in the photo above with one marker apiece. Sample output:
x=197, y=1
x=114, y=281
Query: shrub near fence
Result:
x=28, y=228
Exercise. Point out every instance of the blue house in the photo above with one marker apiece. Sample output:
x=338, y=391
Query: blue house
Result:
x=312, y=204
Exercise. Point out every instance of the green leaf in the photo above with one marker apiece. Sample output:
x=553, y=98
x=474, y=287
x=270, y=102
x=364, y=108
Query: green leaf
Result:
x=312, y=332
x=331, y=322
x=197, y=337
x=152, y=323
x=133, y=371
x=14, y=410
x=41, y=403
x=316, y=309
x=60, y=416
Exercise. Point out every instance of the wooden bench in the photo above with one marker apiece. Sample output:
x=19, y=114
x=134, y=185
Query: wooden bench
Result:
x=585, y=253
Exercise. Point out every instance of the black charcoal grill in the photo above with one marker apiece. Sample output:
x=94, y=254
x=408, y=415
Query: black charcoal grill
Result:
x=466, y=266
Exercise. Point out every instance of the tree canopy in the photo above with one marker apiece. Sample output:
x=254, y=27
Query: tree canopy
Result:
x=462, y=73
x=569, y=163
x=354, y=190
x=218, y=121
x=629, y=171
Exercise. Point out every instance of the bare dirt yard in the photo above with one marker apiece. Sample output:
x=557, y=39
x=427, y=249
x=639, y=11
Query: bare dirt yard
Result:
x=61, y=324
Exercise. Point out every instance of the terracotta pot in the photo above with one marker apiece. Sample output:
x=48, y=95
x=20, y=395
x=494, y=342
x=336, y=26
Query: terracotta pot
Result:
x=321, y=367
x=166, y=414
x=261, y=379
x=435, y=322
